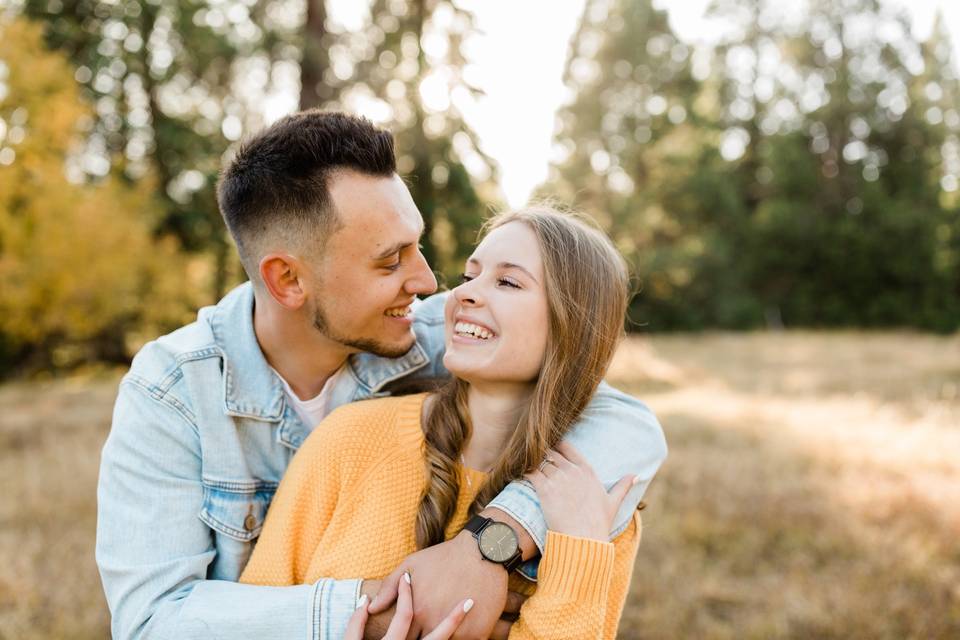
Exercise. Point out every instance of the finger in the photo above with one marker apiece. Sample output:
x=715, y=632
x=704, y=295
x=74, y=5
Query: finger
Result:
x=536, y=478
x=549, y=470
x=357, y=621
x=559, y=460
x=450, y=624
x=501, y=630
x=388, y=592
x=620, y=490
x=400, y=624
x=571, y=454
x=514, y=602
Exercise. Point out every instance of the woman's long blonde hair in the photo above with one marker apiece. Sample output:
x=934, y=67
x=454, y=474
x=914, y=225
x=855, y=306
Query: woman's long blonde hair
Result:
x=587, y=289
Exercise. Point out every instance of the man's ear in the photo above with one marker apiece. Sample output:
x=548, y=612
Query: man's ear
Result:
x=280, y=274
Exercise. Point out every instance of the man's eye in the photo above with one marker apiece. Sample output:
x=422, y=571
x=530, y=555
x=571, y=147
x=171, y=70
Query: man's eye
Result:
x=393, y=267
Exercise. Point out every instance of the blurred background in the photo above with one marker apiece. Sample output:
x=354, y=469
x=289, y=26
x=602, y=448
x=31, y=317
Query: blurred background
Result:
x=784, y=179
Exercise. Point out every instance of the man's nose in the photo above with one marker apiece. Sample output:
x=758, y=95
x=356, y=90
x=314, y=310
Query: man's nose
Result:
x=422, y=282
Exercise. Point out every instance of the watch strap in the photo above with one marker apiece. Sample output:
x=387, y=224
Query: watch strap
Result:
x=477, y=524
x=514, y=561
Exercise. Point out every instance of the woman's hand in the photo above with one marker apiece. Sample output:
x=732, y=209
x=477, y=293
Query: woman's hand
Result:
x=403, y=616
x=573, y=500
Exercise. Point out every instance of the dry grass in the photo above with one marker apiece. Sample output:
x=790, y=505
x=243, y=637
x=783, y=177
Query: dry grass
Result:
x=812, y=488
x=812, y=491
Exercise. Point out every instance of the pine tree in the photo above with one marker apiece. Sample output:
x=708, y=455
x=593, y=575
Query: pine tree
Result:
x=80, y=268
x=406, y=51
x=173, y=84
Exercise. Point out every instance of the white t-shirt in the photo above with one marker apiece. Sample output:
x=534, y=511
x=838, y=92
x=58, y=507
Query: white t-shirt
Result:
x=314, y=410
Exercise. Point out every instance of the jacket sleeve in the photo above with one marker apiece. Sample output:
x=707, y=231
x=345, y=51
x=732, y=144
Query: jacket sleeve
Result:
x=582, y=588
x=154, y=552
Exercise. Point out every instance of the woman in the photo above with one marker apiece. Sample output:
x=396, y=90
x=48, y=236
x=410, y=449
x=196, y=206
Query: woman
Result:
x=529, y=335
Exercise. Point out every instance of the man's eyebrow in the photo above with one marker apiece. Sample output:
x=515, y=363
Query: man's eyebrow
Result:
x=392, y=249
x=506, y=265
x=398, y=247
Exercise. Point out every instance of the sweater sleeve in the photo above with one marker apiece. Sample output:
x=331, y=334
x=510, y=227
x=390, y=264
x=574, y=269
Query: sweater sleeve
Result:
x=582, y=587
x=298, y=516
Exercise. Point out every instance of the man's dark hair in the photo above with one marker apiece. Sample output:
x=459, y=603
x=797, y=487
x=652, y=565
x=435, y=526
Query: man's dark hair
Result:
x=277, y=183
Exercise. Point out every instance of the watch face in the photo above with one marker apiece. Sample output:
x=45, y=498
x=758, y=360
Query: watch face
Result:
x=498, y=542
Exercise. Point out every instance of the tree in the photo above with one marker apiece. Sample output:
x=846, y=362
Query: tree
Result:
x=173, y=85
x=407, y=66
x=812, y=180
x=80, y=269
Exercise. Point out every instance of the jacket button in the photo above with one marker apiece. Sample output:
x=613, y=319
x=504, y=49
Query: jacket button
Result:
x=250, y=522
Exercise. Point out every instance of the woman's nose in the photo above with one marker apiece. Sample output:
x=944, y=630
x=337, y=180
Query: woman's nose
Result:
x=467, y=293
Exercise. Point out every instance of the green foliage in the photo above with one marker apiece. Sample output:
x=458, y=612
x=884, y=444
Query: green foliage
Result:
x=811, y=180
x=387, y=64
x=80, y=269
x=164, y=79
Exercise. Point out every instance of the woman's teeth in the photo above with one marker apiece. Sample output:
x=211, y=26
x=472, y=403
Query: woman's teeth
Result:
x=399, y=312
x=472, y=330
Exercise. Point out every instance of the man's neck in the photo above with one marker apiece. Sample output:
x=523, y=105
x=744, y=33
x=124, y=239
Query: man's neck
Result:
x=296, y=351
x=495, y=412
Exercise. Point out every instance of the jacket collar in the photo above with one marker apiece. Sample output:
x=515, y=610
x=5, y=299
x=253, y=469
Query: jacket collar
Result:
x=374, y=372
x=250, y=387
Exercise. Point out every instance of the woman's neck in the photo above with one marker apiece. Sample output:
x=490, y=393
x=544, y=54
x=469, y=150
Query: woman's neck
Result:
x=495, y=412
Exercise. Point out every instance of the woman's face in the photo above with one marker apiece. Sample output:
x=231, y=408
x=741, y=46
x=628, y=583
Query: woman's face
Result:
x=497, y=320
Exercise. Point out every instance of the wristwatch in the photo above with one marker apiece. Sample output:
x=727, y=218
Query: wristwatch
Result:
x=497, y=541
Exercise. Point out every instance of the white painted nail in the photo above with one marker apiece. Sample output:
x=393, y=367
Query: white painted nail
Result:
x=362, y=601
x=468, y=605
x=406, y=576
x=636, y=481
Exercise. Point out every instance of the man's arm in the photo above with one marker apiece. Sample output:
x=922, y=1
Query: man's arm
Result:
x=618, y=435
x=155, y=554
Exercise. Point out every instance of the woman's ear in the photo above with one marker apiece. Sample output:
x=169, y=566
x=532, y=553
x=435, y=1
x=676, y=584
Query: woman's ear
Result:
x=280, y=273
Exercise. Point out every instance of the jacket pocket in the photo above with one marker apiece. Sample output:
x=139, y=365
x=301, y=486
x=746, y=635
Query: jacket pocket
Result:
x=236, y=509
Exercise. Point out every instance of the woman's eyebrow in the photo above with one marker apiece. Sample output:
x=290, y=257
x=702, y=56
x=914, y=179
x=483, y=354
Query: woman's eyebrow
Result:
x=506, y=265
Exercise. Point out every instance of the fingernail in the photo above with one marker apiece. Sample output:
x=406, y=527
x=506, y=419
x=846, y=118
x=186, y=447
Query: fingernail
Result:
x=406, y=576
x=636, y=481
x=362, y=601
x=468, y=605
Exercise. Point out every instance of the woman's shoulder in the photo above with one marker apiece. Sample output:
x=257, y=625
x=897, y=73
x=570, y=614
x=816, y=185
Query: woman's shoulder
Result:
x=369, y=423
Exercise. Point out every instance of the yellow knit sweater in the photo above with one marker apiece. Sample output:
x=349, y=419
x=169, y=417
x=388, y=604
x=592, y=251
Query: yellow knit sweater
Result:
x=347, y=505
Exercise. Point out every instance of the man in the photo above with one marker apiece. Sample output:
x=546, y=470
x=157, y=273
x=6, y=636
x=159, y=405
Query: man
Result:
x=210, y=415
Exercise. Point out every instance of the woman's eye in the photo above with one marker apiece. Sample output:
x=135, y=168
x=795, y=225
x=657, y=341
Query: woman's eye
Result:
x=465, y=278
x=508, y=282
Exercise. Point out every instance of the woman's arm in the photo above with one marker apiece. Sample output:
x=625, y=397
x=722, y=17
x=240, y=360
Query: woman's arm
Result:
x=583, y=579
x=582, y=588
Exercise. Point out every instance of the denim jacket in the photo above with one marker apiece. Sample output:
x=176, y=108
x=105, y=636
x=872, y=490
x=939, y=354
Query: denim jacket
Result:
x=201, y=436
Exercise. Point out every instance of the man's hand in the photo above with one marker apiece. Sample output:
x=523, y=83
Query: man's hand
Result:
x=375, y=626
x=444, y=575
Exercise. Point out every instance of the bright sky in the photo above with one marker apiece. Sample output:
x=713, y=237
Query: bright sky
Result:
x=519, y=60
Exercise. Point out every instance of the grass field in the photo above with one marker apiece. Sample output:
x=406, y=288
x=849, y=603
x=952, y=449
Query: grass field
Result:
x=812, y=491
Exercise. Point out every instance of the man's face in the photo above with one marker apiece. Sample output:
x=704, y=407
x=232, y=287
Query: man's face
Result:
x=372, y=267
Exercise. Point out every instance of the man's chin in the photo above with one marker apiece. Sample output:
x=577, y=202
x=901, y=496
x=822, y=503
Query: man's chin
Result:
x=383, y=349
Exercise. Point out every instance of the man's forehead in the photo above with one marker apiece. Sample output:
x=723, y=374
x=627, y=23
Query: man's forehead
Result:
x=374, y=210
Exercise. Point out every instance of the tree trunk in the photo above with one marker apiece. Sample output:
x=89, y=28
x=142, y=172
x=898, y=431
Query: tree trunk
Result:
x=313, y=91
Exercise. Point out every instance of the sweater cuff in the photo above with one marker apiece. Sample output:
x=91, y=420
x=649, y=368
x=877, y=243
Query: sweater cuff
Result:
x=575, y=568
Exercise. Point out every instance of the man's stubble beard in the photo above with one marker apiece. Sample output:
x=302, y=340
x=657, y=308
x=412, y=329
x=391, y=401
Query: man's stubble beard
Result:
x=375, y=347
